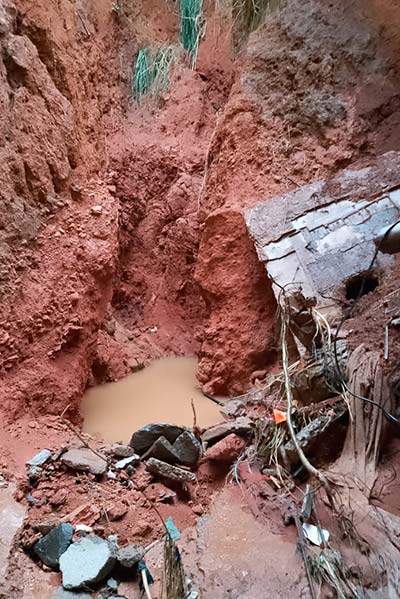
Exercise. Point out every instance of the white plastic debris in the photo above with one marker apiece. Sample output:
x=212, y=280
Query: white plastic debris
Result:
x=83, y=528
x=111, y=475
x=316, y=536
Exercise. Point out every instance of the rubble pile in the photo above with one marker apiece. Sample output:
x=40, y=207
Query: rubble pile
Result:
x=87, y=503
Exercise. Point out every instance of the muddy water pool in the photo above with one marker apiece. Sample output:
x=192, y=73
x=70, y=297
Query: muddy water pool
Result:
x=162, y=392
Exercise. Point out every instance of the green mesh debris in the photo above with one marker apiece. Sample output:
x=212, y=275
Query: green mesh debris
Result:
x=141, y=80
x=153, y=70
x=191, y=26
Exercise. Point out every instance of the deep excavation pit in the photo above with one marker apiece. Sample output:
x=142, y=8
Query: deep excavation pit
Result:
x=141, y=210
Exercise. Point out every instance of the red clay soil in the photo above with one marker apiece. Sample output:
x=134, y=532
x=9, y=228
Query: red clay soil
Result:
x=87, y=296
x=318, y=90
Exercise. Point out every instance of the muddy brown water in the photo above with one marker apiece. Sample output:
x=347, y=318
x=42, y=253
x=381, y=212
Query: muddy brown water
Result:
x=162, y=392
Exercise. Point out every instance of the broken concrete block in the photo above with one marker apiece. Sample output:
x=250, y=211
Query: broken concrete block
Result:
x=323, y=234
x=187, y=449
x=130, y=555
x=121, y=451
x=240, y=426
x=84, y=460
x=50, y=548
x=168, y=472
x=40, y=458
x=162, y=450
x=86, y=562
x=132, y=460
x=144, y=438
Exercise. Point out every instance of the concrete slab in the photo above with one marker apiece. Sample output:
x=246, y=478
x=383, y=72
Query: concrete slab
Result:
x=321, y=235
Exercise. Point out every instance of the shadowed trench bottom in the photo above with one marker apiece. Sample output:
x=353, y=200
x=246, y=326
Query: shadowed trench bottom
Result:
x=162, y=392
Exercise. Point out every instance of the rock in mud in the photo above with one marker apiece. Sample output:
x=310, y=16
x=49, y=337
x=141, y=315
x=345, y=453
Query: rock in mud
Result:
x=40, y=458
x=187, y=449
x=144, y=438
x=86, y=562
x=130, y=555
x=162, y=450
x=132, y=460
x=50, y=548
x=168, y=472
x=227, y=450
x=84, y=460
x=240, y=426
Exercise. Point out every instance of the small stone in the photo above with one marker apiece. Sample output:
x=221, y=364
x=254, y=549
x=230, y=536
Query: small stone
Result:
x=227, y=450
x=96, y=210
x=198, y=510
x=117, y=511
x=144, y=438
x=142, y=528
x=187, y=449
x=33, y=501
x=40, y=458
x=34, y=473
x=240, y=426
x=166, y=496
x=45, y=527
x=133, y=460
x=84, y=460
x=112, y=584
x=59, y=498
x=74, y=297
x=168, y=472
x=121, y=451
x=50, y=548
x=233, y=408
x=86, y=562
x=130, y=555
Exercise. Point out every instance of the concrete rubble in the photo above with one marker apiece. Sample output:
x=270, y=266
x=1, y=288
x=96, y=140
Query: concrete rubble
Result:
x=241, y=426
x=144, y=438
x=40, y=458
x=169, y=472
x=130, y=555
x=50, y=548
x=84, y=460
x=321, y=236
x=86, y=562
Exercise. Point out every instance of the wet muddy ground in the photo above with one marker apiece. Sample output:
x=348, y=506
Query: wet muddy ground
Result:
x=162, y=392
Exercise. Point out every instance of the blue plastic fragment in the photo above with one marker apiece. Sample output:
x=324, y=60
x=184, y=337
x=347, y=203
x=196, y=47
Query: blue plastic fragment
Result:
x=142, y=566
x=173, y=531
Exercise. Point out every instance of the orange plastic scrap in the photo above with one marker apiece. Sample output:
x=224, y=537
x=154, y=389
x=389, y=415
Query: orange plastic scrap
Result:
x=279, y=416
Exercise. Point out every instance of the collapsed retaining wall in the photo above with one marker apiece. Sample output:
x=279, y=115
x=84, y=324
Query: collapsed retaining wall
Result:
x=319, y=90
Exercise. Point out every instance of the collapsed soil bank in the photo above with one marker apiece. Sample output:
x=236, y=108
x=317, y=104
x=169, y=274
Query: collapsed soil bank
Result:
x=122, y=232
